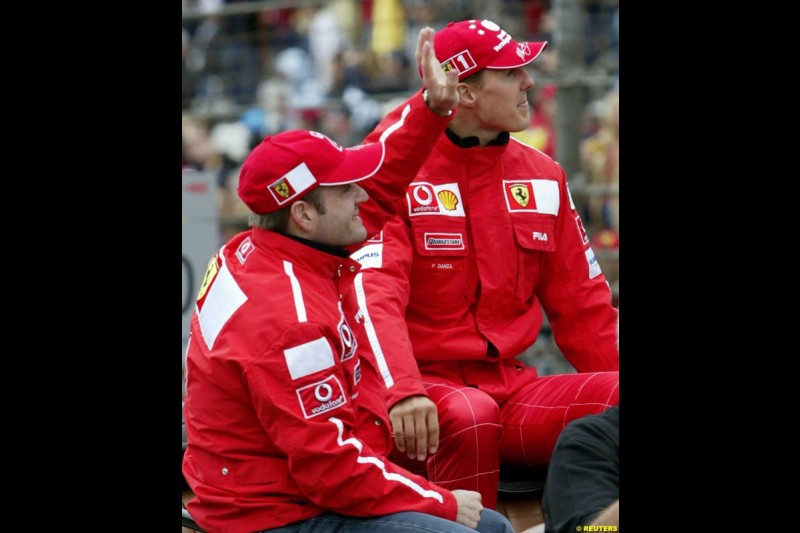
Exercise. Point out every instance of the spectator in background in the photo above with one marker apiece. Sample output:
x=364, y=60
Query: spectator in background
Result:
x=326, y=39
x=388, y=28
x=600, y=162
x=187, y=76
x=455, y=284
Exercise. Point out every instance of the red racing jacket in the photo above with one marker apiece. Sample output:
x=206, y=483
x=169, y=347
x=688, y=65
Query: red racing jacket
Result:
x=455, y=284
x=284, y=419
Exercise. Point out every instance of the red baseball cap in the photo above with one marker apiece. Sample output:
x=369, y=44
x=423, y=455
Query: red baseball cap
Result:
x=473, y=45
x=286, y=166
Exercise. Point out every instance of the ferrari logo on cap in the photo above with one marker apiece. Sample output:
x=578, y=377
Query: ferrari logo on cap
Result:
x=521, y=194
x=282, y=188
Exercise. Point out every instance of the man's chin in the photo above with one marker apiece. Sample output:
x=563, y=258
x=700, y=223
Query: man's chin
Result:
x=358, y=236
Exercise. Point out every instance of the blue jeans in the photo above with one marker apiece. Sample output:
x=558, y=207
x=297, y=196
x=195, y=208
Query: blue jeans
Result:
x=407, y=522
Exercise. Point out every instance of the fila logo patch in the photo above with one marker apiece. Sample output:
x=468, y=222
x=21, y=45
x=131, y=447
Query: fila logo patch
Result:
x=444, y=241
x=321, y=397
x=539, y=236
x=533, y=196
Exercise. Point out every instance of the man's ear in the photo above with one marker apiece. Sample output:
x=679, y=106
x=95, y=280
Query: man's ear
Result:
x=303, y=215
x=466, y=95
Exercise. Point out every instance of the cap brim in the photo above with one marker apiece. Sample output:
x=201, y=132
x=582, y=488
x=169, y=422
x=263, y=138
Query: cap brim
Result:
x=512, y=60
x=360, y=162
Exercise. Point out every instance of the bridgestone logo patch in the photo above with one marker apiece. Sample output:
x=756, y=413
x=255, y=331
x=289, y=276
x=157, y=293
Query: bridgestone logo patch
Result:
x=444, y=241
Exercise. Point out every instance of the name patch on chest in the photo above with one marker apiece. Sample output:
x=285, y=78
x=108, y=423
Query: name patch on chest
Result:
x=446, y=266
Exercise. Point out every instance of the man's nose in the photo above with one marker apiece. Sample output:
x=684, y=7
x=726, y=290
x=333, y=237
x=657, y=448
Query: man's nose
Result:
x=361, y=195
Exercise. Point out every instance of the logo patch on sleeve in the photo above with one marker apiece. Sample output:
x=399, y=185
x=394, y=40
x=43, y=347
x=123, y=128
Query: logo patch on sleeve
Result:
x=244, y=250
x=594, y=266
x=348, y=340
x=369, y=255
x=581, y=230
x=305, y=359
x=208, y=278
x=320, y=397
x=444, y=241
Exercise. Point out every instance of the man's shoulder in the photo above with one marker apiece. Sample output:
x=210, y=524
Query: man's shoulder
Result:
x=524, y=152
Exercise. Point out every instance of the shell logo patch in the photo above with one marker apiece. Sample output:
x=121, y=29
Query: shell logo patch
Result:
x=448, y=199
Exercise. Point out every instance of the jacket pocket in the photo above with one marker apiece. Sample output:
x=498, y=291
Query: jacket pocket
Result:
x=536, y=235
x=440, y=269
x=534, y=239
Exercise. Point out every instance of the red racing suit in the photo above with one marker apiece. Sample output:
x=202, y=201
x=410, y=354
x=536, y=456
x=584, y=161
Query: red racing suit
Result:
x=456, y=282
x=284, y=419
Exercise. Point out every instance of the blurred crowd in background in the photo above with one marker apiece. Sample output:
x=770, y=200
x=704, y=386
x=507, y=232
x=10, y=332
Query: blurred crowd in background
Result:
x=253, y=68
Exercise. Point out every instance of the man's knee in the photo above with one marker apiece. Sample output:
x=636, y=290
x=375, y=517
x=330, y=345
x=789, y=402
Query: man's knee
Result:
x=466, y=408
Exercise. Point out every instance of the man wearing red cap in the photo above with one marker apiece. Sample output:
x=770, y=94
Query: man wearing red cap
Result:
x=286, y=424
x=454, y=286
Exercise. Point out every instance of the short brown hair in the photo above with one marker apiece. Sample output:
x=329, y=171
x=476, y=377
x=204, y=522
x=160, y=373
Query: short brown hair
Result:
x=277, y=221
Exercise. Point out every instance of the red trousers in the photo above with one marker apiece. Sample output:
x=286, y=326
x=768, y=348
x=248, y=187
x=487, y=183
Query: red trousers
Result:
x=476, y=435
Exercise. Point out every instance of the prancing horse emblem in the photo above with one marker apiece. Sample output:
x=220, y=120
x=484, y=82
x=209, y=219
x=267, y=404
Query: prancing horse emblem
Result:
x=282, y=188
x=520, y=194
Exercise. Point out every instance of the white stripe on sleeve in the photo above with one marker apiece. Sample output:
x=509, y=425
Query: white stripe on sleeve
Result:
x=372, y=335
x=299, y=304
x=397, y=125
x=380, y=464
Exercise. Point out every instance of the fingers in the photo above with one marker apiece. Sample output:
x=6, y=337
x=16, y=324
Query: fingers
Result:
x=397, y=431
x=415, y=427
x=432, y=420
x=421, y=425
x=425, y=36
x=409, y=435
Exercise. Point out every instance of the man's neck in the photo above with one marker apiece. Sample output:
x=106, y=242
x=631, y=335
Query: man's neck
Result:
x=469, y=141
x=333, y=250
